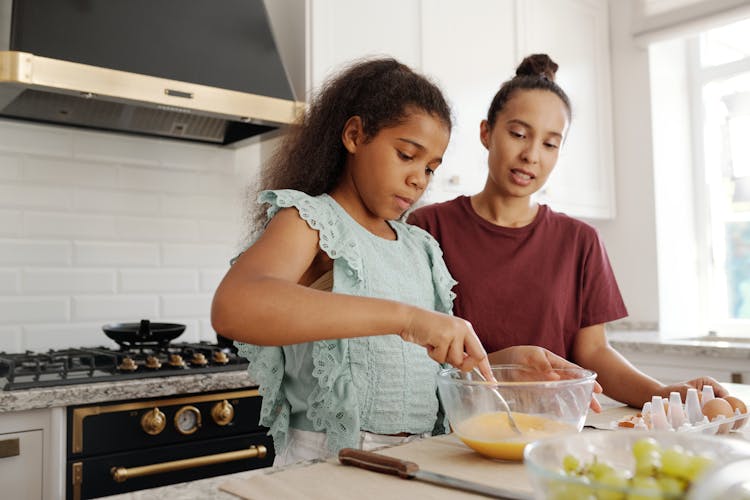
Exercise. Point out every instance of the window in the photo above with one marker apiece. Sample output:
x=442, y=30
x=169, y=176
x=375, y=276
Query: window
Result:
x=720, y=62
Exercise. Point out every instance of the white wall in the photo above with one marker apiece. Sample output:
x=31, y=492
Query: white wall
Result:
x=101, y=227
x=631, y=237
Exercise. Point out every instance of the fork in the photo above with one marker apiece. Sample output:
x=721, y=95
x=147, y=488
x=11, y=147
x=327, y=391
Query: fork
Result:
x=500, y=397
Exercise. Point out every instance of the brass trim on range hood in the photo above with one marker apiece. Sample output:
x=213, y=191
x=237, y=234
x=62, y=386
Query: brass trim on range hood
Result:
x=22, y=71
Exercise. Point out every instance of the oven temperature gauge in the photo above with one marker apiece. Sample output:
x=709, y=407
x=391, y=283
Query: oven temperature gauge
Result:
x=187, y=420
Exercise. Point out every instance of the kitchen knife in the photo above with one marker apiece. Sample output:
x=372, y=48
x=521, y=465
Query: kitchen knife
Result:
x=409, y=470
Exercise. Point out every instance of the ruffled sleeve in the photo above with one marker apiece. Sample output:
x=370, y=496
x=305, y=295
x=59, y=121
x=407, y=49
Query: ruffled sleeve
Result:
x=441, y=278
x=331, y=405
x=266, y=368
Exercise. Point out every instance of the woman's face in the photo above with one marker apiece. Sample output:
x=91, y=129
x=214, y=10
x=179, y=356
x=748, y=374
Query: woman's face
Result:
x=391, y=170
x=525, y=142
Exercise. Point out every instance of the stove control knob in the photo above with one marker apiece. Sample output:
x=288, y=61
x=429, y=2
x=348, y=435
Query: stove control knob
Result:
x=199, y=359
x=221, y=358
x=222, y=413
x=153, y=422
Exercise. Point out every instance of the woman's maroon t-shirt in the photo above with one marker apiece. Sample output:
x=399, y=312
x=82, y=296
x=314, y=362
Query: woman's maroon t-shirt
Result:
x=534, y=285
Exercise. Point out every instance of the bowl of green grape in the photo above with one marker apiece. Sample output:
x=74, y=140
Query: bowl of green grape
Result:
x=620, y=465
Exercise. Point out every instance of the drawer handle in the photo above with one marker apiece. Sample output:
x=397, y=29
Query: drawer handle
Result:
x=122, y=474
x=10, y=448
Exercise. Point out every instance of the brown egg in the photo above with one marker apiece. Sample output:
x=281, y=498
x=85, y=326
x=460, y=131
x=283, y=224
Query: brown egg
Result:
x=737, y=404
x=716, y=407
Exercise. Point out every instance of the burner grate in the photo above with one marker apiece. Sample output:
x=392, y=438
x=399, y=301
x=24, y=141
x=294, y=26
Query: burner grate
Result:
x=100, y=364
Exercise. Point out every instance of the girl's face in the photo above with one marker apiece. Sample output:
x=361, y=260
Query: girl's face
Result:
x=390, y=171
x=525, y=142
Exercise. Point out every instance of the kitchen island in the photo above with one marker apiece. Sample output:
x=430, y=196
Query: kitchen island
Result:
x=444, y=449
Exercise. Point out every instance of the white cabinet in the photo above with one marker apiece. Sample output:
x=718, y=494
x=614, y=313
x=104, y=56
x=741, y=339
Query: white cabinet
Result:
x=32, y=454
x=21, y=464
x=467, y=48
x=340, y=31
x=575, y=33
x=470, y=48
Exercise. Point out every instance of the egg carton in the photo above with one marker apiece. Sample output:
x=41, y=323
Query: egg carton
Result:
x=672, y=415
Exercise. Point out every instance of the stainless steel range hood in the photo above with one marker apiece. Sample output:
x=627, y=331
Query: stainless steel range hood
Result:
x=201, y=70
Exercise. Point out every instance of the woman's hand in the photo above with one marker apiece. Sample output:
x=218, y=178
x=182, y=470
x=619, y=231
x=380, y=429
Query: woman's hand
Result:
x=448, y=339
x=697, y=383
x=541, y=359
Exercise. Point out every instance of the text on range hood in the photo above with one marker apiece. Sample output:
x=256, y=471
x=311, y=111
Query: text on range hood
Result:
x=200, y=70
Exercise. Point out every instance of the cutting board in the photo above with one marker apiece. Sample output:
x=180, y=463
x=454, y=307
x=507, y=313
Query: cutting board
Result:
x=333, y=481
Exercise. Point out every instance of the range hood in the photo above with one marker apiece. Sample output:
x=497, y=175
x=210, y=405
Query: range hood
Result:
x=196, y=70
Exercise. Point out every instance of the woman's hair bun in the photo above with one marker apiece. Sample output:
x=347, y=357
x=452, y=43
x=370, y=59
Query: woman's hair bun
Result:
x=538, y=65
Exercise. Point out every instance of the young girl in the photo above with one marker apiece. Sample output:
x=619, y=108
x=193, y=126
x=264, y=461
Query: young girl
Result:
x=332, y=365
x=531, y=275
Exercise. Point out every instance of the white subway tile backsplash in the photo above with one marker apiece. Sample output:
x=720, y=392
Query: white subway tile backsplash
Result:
x=210, y=278
x=201, y=157
x=114, y=308
x=189, y=306
x=227, y=232
x=9, y=281
x=195, y=206
x=116, y=202
x=160, y=180
x=175, y=255
x=11, y=339
x=34, y=252
x=69, y=172
x=19, y=195
x=207, y=332
x=37, y=139
x=104, y=254
x=116, y=148
x=67, y=280
x=56, y=336
x=34, y=309
x=99, y=227
x=10, y=167
x=150, y=229
x=11, y=222
x=159, y=280
x=69, y=225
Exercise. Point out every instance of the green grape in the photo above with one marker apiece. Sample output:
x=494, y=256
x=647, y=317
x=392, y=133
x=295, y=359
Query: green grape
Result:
x=571, y=464
x=614, y=484
x=671, y=486
x=674, y=462
x=645, y=446
x=599, y=469
x=647, y=488
x=696, y=466
x=646, y=465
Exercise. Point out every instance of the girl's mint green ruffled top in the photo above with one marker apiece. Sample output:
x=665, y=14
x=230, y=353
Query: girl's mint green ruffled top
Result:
x=380, y=384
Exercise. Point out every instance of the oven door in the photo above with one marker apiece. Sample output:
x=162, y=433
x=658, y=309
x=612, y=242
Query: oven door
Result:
x=148, y=468
x=131, y=445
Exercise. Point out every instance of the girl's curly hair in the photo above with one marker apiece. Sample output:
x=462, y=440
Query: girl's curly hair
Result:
x=311, y=156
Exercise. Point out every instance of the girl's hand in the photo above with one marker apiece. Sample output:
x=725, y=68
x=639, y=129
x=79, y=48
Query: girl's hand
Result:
x=541, y=359
x=448, y=339
x=697, y=383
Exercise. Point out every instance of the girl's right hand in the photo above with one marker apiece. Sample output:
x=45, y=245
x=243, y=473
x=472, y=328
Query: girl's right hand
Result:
x=448, y=339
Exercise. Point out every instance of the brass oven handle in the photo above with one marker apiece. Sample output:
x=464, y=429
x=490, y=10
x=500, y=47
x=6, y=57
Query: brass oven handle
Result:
x=122, y=474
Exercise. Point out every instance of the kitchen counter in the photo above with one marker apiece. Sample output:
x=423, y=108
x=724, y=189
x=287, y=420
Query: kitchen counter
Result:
x=652, y=343
x=67, y=395
x=208, y=489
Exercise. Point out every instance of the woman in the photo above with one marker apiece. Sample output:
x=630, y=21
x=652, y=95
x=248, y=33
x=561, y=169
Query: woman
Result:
x=527, y=274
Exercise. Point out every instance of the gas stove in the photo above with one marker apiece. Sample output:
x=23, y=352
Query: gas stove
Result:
x=101, y=364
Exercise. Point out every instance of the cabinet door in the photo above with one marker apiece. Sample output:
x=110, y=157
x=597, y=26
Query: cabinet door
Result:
x=575, y=33
x=468, y=49
x=21, y=473
x=343, y=30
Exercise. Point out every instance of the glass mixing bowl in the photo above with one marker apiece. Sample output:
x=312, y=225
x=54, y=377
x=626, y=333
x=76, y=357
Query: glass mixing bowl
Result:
x=540, y=406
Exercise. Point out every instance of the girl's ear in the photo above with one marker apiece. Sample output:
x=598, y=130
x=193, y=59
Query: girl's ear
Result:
x=484, y=133
x=352, y=134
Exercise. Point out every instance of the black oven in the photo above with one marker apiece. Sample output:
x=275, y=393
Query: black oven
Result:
x=131, y=445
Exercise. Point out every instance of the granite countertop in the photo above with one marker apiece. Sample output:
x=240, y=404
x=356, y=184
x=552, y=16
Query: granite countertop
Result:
x=67, y=395
x=653, y=342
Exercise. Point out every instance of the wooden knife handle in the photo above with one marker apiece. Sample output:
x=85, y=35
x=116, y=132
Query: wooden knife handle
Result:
x=378, y=463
